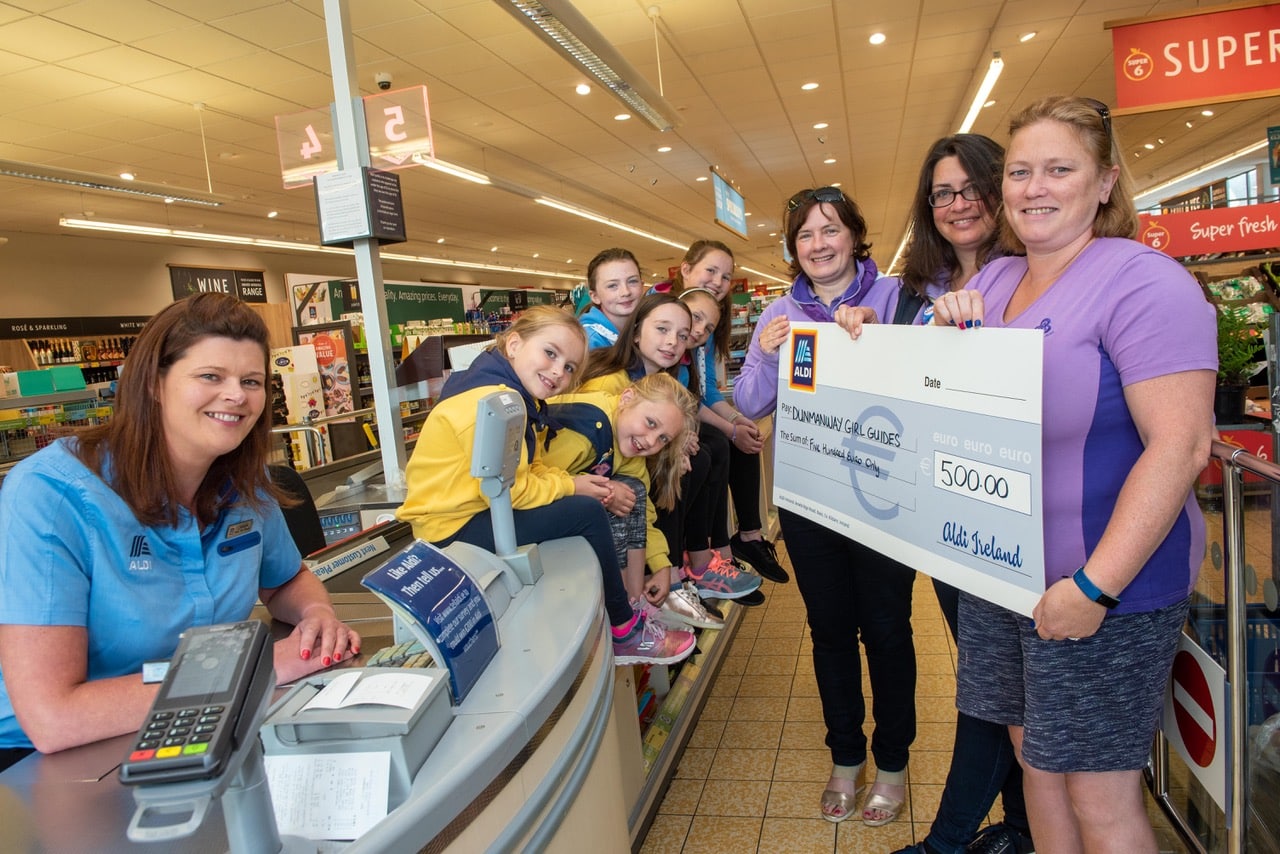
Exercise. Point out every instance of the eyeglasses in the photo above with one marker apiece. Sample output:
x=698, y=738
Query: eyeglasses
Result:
x=822, y=194
x=1104, y=112
x=945, y=198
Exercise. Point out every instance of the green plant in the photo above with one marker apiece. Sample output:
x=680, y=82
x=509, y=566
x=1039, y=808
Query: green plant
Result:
x=1238, y=345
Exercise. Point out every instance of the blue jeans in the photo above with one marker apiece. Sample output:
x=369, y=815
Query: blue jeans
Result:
x=983, y=765
x=851, y=591
x=575, y=516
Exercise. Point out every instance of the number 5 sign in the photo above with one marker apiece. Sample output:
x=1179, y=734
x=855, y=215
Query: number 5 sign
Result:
x=398, y=124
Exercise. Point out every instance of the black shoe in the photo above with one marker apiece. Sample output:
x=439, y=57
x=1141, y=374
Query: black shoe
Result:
x=762, y=556
x=755, y=597
x=1000, y=839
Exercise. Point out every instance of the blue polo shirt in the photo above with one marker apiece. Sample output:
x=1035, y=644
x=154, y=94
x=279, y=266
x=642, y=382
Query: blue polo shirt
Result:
x=73, y=554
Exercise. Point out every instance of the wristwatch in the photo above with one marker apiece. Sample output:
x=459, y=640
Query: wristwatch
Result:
x=1091, y=590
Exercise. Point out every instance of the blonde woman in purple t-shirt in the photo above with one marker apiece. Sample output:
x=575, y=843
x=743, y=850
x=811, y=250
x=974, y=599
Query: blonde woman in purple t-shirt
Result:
x=1126, y=332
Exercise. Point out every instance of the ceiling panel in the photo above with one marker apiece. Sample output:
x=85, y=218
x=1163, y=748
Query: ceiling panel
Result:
x=93, y=86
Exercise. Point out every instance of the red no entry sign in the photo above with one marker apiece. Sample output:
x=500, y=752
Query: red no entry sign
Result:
x=1193, y=709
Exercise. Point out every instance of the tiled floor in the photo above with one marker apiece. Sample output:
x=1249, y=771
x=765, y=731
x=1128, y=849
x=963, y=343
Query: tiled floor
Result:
x=755, y=766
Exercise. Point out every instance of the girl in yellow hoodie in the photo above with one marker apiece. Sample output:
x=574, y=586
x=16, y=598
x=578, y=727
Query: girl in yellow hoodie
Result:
x=538, y=357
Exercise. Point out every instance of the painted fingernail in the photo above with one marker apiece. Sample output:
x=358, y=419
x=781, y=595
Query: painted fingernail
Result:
x=306, y=653
x=960, y=324
x=977, y=323
x=337, y=656
x=355, y=651
x=326, y=661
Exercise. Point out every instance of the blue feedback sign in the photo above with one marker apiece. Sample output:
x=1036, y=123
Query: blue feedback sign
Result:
x=444, y=606
x=731, y=212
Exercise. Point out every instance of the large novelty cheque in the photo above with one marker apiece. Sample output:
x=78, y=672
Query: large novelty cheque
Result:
x=922, y=443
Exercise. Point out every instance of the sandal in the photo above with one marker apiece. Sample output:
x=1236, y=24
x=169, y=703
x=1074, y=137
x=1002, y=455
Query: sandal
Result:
x=838, y=805
x=884, y=798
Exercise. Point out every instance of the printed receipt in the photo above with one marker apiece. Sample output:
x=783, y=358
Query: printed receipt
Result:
x=329, y=795
x=381, y=689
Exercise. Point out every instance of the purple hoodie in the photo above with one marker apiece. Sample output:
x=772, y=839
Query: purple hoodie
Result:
x=755, y=391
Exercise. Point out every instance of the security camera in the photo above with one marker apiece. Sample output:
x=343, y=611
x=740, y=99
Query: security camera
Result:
x=383, y=79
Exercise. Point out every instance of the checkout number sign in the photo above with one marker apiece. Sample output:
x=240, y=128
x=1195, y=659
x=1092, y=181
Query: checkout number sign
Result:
x=398, y=125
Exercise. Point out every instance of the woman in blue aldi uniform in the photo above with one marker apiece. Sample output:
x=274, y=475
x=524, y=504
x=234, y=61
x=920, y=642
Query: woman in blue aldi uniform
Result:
x=114, y=541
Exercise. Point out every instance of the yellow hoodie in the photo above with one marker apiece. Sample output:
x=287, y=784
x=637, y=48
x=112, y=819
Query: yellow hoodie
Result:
x=443, y=495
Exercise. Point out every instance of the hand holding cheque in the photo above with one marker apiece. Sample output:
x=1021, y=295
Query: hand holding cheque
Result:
x=923, y=443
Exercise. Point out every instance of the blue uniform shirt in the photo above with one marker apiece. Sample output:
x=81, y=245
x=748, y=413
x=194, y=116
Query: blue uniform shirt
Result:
x=73, y=554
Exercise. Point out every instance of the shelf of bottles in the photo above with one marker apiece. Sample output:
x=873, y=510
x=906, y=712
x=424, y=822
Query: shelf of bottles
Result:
x=98, y=358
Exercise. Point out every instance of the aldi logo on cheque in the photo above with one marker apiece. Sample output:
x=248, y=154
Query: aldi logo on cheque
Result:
x=804, y=360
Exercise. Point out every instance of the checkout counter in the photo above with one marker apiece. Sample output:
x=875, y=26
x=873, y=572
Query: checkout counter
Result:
x=544, y=752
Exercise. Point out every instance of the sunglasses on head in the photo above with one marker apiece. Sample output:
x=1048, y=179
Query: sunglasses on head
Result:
x=822, y=194
x=1104, y=112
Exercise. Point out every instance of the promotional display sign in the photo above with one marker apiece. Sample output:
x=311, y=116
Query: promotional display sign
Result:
x=36, y=327
x=244, y=285
x=731, y=212
x=445, y=609
x=334, y=352
x=355, y=204
x=1212, y=230
x=1200, y=56
x=922, y=443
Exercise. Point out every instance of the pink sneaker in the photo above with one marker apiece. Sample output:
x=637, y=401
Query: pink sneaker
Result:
x=649, y=642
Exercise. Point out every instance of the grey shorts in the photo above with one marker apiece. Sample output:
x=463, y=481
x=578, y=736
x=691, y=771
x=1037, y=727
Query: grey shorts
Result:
x=1087, y=705
x=630, y=531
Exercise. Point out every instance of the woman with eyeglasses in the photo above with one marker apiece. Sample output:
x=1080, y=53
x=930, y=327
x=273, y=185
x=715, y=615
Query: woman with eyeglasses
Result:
x=1129, y=369
x=953, y=234
x=849, y=590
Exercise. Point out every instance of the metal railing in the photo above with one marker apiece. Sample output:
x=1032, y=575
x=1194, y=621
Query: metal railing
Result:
x=1236, y=583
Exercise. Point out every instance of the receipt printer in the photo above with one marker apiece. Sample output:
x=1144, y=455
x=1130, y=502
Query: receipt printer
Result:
x=403, y=711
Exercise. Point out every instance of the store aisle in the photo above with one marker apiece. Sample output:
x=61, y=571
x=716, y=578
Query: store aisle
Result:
x=755, y=766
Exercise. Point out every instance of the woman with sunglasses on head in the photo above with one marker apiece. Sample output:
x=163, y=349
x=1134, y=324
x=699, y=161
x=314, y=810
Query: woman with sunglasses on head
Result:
x=953, y=234
x=849, y=590
x=1127, y=332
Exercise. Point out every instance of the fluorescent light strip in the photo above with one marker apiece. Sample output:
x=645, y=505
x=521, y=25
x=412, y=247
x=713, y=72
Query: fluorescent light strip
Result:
x=264, y=243
x=765, y=275
x=451, y=169
x=88, y=183
x=604, y=220
x=1187, y=176
x=988, y=83
x=892, y=269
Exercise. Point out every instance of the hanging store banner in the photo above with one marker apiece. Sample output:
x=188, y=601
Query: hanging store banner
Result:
x=731, y=212
x=1198, y=56
x=1212, y=230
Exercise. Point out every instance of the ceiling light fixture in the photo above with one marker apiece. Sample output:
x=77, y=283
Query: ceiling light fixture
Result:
x=89, y=181
x=126, y=176
x=984, y=92
x=1149, y=146
x=701, y=178
x=570, y=34
x=877, y=38
x=604, y=220
x=582, y=89
x=450, y=169
x=1026, y=37
x=263, y=243
x=663, y=149
x=809, y=87
x=272, y=214
x=821, y=126
x=621, y=117
x=1206, y=113
x=764, y=275
x=829, y=161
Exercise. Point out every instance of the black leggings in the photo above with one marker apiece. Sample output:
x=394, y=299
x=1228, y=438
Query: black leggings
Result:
x=744, y=484
x=700, y=519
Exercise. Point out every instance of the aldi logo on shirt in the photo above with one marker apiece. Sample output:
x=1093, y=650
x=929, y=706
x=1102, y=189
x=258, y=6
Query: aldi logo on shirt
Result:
x=139, y=554
x=804, y=360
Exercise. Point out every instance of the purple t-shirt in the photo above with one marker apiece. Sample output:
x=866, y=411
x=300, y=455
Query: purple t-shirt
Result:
x=1121, y=314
